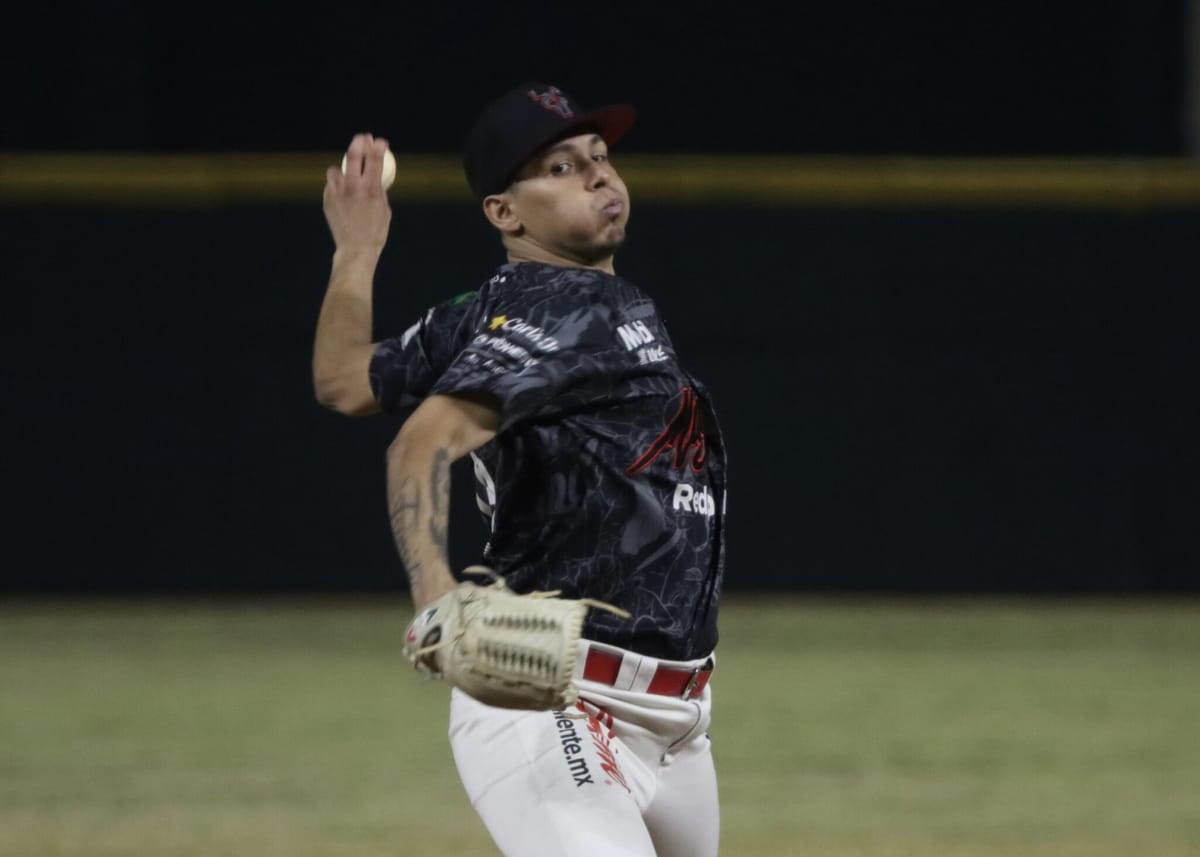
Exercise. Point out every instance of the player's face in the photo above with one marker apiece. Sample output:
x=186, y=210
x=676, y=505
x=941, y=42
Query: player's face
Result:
x=571, y=201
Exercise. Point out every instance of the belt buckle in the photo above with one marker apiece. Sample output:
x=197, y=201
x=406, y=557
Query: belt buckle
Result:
x=695, y=677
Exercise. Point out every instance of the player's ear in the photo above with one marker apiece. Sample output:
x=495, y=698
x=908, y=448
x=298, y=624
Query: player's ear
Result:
x=498, y=209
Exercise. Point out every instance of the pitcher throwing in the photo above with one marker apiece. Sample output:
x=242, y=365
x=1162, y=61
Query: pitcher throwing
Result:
x=600, y=469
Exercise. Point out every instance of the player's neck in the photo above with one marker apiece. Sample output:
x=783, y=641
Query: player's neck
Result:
x=526, y=251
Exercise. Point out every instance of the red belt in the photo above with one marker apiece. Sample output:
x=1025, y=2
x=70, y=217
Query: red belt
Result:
x=603, y=667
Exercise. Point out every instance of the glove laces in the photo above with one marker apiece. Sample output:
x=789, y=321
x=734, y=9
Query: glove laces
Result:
x=499, y=583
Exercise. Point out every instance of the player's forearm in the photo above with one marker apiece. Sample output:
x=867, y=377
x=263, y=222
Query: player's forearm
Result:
x=440, y=431
x=418, y=485
x=342, y=347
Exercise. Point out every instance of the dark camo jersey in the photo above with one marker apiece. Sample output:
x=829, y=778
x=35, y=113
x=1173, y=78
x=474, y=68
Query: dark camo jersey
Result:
x=607, y=479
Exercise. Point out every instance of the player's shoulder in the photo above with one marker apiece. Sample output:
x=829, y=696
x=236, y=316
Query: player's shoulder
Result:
x=558, y=290
x=502, y=280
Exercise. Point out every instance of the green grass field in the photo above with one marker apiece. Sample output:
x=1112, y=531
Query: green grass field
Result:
x=982, y=729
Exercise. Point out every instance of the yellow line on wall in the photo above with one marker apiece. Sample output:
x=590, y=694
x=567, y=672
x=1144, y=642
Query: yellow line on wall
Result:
x=184, y=181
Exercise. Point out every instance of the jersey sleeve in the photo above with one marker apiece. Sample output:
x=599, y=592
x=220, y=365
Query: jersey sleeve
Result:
x=404, y=368
x=534, y=359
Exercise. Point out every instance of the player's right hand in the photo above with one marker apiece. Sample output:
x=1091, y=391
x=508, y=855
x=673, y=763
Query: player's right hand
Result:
x=356, y=206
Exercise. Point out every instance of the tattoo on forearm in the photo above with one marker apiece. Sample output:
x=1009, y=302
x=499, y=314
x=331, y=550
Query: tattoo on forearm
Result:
x=439, y=501
x=419, y=515
x=404, y=510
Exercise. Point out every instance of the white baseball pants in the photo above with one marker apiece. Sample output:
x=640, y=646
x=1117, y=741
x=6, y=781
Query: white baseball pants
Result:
x=626, y=774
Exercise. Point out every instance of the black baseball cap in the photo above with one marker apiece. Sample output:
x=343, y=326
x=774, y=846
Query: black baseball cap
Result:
x=522, y=122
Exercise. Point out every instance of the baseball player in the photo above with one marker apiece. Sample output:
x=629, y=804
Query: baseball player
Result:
x=600, y=470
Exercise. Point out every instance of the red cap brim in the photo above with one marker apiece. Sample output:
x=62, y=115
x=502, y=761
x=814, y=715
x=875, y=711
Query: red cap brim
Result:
x=612, y=122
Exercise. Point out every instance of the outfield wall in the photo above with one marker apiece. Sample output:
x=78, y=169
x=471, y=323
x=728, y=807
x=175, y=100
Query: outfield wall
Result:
x=947, y=376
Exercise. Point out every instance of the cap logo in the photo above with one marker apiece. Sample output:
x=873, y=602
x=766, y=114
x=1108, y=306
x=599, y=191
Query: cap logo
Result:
x=554, y=100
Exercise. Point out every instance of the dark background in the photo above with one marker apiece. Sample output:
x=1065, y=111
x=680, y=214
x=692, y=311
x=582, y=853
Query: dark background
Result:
x=917, y=76
x=916, y=399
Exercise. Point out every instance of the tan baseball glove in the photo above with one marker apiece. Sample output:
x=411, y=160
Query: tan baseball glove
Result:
x=504, y=649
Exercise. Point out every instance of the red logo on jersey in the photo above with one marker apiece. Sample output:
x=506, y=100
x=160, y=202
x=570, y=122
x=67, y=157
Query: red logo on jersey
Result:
x=553, y=99
x=682, y=435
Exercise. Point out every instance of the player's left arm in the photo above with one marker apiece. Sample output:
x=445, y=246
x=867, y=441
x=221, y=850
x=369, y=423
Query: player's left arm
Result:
x=443, y=429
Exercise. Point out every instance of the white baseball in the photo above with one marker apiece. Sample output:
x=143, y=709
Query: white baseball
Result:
x=389, y=168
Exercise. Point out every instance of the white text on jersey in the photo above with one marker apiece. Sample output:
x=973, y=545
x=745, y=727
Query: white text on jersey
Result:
x=688, y=499
x=636, y=335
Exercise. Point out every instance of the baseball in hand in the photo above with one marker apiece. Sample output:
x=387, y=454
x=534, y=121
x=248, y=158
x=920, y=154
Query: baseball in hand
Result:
x=389, y=168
